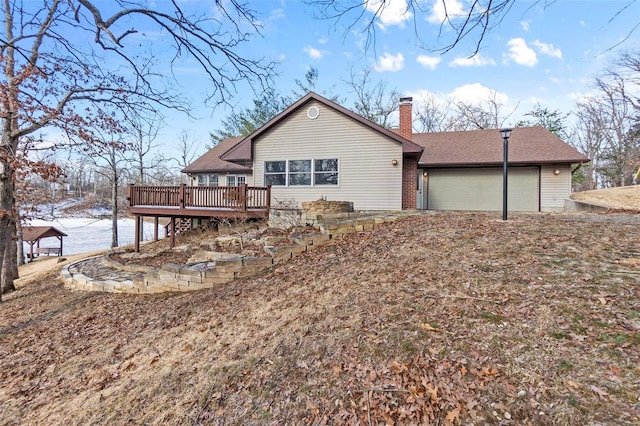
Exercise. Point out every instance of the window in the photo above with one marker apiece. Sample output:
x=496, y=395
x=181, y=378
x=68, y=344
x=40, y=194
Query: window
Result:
x=299, y=172
x=236, y=180
x=275, y=173
x=325, y=172
x=208, y=180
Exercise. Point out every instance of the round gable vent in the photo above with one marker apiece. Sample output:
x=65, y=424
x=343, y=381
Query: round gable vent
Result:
x=313, y=112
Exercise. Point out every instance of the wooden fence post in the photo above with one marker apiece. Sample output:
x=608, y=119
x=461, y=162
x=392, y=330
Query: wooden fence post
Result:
x=268, y=198
x=181, y=195
x=244, y=197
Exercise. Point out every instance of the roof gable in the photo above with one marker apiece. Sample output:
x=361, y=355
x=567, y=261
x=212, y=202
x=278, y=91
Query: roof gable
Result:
x=210, y=161
x=243, y=151
x=527, y=145
x=33, y=233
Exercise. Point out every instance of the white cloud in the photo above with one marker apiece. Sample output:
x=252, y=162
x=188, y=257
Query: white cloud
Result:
x=525, y=24
x=323, y=40
x=423, y=96
x=474, y=61
x=579, y=96
x=520, y=53
x=389, y=62
x=548, y=49
x=389, y=12
x=477, y=94
x=445, y=8
x=430, y=62
x=313, y=53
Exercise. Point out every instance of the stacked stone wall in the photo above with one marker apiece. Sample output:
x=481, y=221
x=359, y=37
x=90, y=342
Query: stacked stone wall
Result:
x=212, y=273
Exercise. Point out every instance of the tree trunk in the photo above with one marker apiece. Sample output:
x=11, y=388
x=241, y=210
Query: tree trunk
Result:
x=10, y=263
x=114, y=212
x=7, y=225
x=20, y=245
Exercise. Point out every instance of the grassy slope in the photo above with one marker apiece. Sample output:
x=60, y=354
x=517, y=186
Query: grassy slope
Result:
x=446, y=316
x=623, y=197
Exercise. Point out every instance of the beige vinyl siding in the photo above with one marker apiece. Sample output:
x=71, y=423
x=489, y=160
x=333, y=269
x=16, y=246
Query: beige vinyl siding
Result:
x=366, y=174
x=554, y=189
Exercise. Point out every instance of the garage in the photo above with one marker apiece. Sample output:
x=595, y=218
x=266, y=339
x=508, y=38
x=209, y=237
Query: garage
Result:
x=481, y=189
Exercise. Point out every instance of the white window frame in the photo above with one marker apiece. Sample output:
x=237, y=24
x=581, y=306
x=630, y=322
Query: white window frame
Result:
x=314, y=172
x=265, y=173
x=287, y=173
x=239, y=180
x=206, y=179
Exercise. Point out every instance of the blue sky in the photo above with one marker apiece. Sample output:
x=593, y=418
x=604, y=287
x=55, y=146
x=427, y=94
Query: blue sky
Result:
x=541, y=52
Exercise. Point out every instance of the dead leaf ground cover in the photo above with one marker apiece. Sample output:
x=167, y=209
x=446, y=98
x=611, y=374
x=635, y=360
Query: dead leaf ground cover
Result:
x=445, y=318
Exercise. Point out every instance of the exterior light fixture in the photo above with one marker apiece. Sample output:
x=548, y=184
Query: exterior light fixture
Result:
x=506, y=133
x=394, y=162
x=556, y=172
x=425, y=174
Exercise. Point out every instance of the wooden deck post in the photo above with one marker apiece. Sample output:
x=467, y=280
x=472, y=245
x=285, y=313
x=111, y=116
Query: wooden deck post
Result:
x=268, y=199
x=136, y=245
x=181, y=196
x=155, y=228
x=129, y=193
x=173, y=232
x=244, y=197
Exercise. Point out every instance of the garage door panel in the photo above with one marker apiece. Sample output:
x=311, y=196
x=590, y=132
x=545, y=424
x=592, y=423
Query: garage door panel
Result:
x=481, y=189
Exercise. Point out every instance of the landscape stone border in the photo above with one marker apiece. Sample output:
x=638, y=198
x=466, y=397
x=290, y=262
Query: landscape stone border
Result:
x=207, y=272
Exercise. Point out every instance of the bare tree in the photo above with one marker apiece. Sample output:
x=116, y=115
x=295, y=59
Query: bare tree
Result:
x=187, y=151
x=143, y=132
x=63, y=61
x=589, y=139
x=618, y=116
x=373, y=101
x=110, y=161
x=605, y=133
x=472, y=21
x=487, y=114
x=432, y=115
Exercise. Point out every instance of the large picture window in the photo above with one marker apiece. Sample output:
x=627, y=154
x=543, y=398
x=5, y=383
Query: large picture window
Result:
x=301, y=172
x=325, y=172
x=275, y=173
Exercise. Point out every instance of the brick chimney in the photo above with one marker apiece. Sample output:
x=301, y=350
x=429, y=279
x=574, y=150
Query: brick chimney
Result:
x=406, y=118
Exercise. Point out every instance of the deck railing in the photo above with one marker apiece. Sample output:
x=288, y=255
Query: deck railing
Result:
x=240, y=198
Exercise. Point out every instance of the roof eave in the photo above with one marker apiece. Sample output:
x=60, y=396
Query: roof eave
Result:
x=500, y=163
x=407, y=145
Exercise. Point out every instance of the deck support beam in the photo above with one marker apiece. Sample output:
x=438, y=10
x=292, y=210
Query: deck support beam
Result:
x=137, y=234
x=173, y=231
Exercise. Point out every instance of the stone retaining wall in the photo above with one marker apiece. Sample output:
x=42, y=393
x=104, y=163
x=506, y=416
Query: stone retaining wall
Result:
x=211, y=273
x=327, y=207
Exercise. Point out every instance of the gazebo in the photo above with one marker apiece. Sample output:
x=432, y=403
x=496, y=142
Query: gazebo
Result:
x=33, y=234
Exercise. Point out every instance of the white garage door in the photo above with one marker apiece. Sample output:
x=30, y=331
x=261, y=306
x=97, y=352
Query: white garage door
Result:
x=481, y=189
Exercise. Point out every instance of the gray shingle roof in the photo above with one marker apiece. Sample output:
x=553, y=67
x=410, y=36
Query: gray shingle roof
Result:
x=527, y=145
x=210, y=161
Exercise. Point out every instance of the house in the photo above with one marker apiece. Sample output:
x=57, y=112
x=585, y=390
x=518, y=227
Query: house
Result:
x=318, y=149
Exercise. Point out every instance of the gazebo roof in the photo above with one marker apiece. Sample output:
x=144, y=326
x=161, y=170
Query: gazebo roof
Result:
x=34, y=233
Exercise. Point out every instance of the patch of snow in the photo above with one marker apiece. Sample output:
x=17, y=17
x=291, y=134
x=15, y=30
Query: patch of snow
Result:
x=85, y=234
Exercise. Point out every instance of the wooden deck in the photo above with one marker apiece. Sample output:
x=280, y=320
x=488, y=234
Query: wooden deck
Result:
x=199, y=201
x=242, y=202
